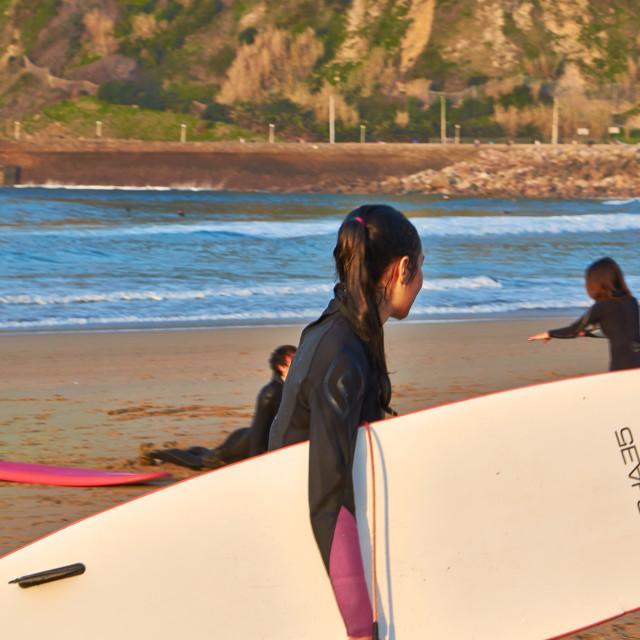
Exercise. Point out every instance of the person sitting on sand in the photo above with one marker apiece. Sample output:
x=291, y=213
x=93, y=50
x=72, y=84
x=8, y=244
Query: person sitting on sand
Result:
x=242, y=443
x=615, y=312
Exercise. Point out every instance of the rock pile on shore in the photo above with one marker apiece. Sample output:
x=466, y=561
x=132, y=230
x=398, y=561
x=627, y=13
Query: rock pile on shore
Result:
x=564, y=171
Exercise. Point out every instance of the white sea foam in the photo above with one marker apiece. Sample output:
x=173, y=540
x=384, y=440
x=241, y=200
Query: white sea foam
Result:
x=227, y=291
x=295, y=288
x=250, y=229
x=624, y=201
x=98, y=187
x=442, y=227
x=475, y=282
x=506, y=225
x=205, y=318
x=419, y=310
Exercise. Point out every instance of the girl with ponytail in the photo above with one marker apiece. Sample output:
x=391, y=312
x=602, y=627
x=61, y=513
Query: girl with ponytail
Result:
x=338, y=379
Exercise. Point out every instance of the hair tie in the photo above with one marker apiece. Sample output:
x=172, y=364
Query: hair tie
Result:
x=360, y=220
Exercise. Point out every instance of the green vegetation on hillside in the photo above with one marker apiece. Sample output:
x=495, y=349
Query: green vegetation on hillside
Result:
x=178, y=23
x=79, y=118
x=229, y=69
x=36, y=15
x=431, y=63
x=611, y=32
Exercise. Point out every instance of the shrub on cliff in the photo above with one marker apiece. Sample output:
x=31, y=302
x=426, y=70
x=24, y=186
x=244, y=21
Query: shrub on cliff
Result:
x=147, y=94
x=519, y=98
x=482, y=129
x=289, y=118
x=529, y=133
x=376, y=111
x=217, y=113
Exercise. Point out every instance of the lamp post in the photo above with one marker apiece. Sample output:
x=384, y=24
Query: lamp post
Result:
x=554, y=122
x=332, y=120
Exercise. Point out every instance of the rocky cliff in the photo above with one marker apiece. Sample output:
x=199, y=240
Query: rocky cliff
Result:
x=362, y=52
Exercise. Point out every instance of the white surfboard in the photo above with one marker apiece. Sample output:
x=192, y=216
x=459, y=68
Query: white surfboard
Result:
x=515, y=515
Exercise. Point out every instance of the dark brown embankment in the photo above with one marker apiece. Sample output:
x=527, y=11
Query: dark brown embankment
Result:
x=225, y=165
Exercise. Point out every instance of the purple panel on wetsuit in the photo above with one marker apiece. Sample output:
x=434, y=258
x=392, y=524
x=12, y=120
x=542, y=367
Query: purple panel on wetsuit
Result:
x=346, y=572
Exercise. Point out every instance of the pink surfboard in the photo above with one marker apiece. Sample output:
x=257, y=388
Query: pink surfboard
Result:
x=70, y=476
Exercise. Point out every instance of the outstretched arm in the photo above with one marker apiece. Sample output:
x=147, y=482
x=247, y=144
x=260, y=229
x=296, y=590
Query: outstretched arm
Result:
x=577, y=329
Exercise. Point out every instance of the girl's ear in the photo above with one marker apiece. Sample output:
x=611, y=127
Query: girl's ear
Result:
x=404, y=272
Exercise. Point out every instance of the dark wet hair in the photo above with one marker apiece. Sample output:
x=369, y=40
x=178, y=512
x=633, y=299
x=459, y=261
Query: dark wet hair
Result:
x=279, y=356
x=371, y=237
x=604, y=280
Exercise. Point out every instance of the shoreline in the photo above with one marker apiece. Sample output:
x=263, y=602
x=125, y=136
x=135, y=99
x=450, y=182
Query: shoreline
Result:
x=142, y=327
x=431, y=196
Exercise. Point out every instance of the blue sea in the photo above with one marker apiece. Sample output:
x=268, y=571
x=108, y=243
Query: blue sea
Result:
x=94, y=259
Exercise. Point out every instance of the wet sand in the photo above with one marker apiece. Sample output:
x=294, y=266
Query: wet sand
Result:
x=91, y=399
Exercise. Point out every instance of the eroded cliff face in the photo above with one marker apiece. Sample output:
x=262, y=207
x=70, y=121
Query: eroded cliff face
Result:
x=298, y=49
x=10, y=44
x=482, y=41
x=418, y=32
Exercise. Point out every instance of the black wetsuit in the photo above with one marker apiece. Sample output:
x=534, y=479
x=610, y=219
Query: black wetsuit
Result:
x=329, y=392
x=618, y=319
x=267, y=405
x=239, y=445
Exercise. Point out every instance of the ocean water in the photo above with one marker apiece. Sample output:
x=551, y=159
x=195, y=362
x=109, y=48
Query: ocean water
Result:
x=126, y=258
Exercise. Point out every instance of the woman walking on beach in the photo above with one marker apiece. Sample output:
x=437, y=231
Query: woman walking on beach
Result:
x=338, y=379
x=615, y=312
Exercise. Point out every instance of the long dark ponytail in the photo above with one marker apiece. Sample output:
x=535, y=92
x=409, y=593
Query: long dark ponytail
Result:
x=371, y=237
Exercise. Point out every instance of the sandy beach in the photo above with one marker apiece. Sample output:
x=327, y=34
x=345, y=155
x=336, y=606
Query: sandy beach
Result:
x=91, y=399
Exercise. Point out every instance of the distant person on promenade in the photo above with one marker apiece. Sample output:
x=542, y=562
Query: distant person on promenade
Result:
x=242, y=443
x=615, y=313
